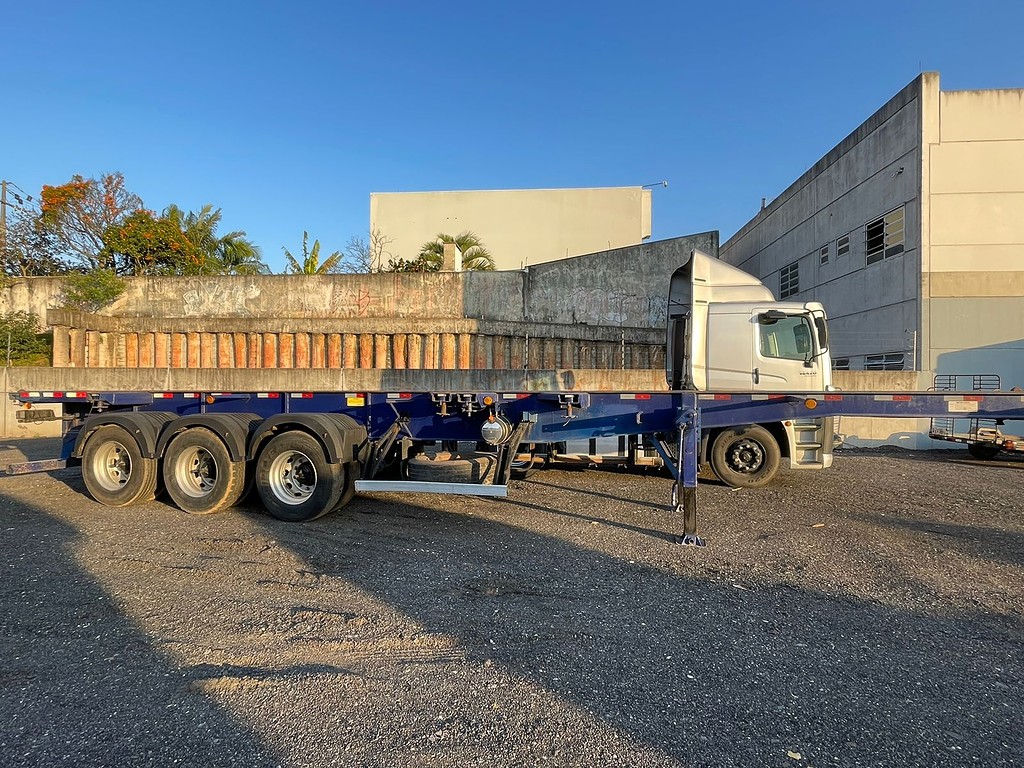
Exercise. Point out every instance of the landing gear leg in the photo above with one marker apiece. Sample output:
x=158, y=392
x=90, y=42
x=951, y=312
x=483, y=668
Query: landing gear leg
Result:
x=684, y=492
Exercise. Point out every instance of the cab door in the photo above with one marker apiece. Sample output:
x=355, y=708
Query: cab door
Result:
x=785, y=359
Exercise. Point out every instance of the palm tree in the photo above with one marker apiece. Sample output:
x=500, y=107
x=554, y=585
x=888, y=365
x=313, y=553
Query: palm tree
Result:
x=475, y=257
x=311, y=264
x=230, y=254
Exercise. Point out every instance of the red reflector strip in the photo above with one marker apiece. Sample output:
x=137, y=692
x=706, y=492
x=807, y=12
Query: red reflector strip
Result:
x=902, y=398
x=354, y=394
x=399, y=395
x=723, y=397
x=974, y=398
x=163, y=395
x=302, y=395
x=58, y=394
x=833, y=398
x=635, y=396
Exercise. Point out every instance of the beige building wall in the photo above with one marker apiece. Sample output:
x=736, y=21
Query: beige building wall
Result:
x=974, y=190
x=519, y=227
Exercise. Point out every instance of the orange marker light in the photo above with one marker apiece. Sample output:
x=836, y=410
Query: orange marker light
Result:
x=811, y=403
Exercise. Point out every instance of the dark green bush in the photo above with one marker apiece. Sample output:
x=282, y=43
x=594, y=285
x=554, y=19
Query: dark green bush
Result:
x=93, y=290
x=21, y=342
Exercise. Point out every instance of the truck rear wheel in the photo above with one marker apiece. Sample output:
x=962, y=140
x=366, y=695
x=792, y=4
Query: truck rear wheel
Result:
x=983, y=452
x=199, y=474
x=115, y=471
x=745, y=457
x=294, y=479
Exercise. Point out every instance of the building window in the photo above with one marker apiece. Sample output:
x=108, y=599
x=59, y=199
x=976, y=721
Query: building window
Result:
x=823, y=254
x=884, y=236
x=842, y=246
x=892, y=361
x=841, y=364
x=789, y=280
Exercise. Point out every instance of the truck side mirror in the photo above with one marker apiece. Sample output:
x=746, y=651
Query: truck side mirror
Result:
x=771, y=317
x=822, y=328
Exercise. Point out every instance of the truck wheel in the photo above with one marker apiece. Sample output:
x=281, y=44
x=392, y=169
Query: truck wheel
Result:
x=199, y=474
x=983, y=452
x=448, y=467
x=115, y=471
x=745, y=457
x=294, y=479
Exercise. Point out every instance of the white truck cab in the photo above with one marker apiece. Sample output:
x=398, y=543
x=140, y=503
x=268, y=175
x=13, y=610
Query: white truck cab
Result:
x=726, y=332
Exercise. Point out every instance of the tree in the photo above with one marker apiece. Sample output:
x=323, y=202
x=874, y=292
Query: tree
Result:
x=143, y=244
x=229, y=254
x=364, y=256
x=475, y=257
x=311, y=264
x=78, y=213
x=29, y=250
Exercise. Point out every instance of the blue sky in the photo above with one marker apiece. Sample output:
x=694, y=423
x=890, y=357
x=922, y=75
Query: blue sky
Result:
x=288, y=115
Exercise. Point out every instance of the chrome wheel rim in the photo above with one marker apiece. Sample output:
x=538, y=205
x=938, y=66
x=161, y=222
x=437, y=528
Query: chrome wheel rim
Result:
x=196, y=472
x=292, y=478
x=112, y=466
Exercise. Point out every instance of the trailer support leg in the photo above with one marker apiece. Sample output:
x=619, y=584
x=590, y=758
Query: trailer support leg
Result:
x=684, y=492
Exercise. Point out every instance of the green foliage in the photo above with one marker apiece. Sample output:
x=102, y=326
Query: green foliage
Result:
x=311, y=264
x=475, y=257
x=419, y=264
x=213, y=254
x=91, y=291
x=145, y=245
x=21, y=342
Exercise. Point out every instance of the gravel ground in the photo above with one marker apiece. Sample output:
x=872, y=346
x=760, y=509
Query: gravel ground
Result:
x=869, y=615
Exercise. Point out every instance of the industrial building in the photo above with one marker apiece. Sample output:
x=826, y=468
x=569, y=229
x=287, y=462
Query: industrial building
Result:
x=911, y=233
x=519, y=227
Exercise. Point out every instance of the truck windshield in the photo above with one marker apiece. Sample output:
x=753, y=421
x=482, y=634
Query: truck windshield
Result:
x=788, y=338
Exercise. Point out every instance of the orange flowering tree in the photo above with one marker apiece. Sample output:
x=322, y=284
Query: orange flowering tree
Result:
x=78, y=213
x=143, y=244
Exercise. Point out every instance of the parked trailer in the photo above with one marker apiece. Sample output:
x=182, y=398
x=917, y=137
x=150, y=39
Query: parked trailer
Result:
x=308, y=453
x=984, y=438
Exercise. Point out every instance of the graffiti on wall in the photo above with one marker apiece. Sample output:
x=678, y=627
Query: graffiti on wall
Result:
x=597, y=306
x=217, y=299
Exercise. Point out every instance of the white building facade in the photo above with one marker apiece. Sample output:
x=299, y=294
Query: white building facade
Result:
x=911, y=233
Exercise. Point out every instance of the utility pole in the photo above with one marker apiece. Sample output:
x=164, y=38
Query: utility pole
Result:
x=3, y=218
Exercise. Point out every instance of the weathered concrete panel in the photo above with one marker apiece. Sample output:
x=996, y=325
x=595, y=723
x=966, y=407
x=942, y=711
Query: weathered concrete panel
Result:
x=625, y=287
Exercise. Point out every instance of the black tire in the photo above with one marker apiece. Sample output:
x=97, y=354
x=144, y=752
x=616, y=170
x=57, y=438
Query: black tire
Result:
x=745, y=457
x=199, y=474
x=983, y=452
x=114, y=470
x=294, y=479
x=448, y=467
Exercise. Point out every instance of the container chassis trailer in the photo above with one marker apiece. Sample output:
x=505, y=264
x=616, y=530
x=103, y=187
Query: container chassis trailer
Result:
x=308, y=453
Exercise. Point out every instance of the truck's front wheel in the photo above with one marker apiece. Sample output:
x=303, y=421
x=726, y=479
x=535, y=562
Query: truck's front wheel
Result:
x=294, y=479
x=745, y=457
x=115, y=471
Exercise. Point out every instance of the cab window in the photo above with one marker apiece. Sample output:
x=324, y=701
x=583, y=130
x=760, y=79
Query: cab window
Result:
x=788, y=338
